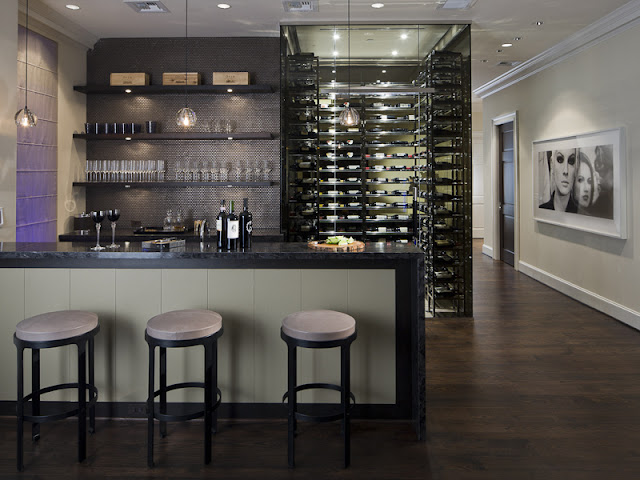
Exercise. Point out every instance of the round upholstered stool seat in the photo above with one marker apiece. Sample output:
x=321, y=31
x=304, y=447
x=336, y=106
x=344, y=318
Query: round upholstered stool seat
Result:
x=319, y=325
x=56, y=326
x=184, y=325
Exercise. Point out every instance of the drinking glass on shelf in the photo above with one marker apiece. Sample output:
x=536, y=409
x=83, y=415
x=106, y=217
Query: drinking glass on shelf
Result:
x=266, y=170
x=179, y=171
x=237, y=173
x=97, y=217
x=204, y=170
x=248, y=174
x=160, y=171
x=113, y=216
x=214, y=175
x=224, y=172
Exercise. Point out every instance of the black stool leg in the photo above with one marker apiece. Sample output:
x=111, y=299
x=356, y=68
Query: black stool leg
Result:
x=20, y=407
x=208, y=374
x=292, y=380
x=35, y=389
x=92, y=381
x=82, y=401
x=346, y=388
x=163, y=389
x=150, y=407
x=214, y=384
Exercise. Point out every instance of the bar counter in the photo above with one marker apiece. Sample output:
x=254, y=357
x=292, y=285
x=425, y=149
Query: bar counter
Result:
x=382, y=287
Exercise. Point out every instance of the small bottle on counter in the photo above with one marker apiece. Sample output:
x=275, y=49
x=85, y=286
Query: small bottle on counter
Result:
x=221, y=227
x=246, y=225
x=233, y=227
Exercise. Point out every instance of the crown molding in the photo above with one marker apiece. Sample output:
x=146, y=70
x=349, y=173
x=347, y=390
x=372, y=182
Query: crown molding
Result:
x=607, y=27
x=49, y=17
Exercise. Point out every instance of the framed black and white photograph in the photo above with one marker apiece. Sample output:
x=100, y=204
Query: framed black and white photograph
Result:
x=579, y=182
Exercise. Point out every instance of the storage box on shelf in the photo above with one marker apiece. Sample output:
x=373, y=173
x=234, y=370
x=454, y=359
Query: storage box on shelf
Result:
x=300, y=147
x=443, y=185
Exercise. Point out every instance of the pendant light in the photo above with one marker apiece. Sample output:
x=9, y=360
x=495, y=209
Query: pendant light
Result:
x=185, y=116
x=349, y=116
x=25, y=117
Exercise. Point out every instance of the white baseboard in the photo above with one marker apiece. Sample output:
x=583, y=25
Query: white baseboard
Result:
x=600, y=303
x=487, y=250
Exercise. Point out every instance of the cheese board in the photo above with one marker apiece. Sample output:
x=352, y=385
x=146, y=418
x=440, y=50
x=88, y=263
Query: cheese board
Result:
x=356, y=246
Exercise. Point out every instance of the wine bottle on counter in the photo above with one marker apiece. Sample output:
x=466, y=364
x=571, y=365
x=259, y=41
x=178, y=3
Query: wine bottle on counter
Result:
x=221, y=227
x=246, y=225
x=233, y=227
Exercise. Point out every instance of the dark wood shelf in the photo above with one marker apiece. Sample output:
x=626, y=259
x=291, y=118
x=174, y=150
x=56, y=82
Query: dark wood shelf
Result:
x=174, y=184
x=178, y=136
x=179, y=89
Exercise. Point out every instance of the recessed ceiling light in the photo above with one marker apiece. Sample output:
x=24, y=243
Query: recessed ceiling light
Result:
x=72, y=7
x=507, y=45
x=336, y=36
x=377, y=5
x=538, y=23
x=517, y=39
x=404, y=36
x=499, y=50
x=384, y=71
x=224, y=6
x=394, y=53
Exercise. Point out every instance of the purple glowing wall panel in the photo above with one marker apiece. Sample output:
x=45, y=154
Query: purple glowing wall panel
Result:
x=37, y=166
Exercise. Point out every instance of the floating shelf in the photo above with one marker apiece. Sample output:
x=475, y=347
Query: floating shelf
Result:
x=174, y=184
x=178, y=136
x=179, y=89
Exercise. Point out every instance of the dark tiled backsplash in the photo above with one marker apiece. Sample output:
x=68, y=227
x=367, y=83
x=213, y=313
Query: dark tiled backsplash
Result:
x=251, y=113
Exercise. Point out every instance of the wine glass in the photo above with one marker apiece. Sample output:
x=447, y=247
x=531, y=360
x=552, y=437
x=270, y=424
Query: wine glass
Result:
x=113, y=215
x=97, y=217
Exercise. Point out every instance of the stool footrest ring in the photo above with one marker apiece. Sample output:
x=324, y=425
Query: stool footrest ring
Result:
x=93, y=398
x=163, y=417
x=320, y=418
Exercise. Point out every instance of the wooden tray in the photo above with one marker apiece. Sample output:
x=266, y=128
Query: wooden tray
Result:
x=356, y=246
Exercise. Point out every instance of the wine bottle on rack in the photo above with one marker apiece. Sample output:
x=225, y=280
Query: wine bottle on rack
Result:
x=246, y=225
x=233, y=227
x=221, y=227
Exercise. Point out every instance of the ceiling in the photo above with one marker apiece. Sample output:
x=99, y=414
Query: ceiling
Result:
x=493, y=22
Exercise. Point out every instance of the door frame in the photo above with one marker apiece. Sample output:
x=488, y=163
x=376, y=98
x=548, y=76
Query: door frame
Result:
x=495, y=182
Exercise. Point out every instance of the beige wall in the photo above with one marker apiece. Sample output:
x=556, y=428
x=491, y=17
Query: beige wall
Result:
x=8, y=108
x=593, y=90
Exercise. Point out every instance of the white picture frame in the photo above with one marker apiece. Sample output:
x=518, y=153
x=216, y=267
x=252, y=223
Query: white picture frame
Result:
x=579, y=182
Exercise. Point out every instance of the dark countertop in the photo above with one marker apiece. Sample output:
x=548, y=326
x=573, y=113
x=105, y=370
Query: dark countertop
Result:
x=127, y=235
x=202, y=255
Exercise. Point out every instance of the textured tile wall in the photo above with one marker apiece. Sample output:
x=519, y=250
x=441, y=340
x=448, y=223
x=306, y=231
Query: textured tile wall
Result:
x=251, y=113
x=37, y=162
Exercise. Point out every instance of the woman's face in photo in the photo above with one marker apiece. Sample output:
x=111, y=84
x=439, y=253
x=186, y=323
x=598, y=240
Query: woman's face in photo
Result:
x=564, y=166
x=583, y=189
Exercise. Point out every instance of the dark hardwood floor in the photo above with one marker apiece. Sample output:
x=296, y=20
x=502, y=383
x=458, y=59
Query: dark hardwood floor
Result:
x=536, y=386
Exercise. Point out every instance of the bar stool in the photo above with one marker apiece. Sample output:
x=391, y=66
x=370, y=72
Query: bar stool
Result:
x=176, y=329
x=49, y=330
x=319, y=329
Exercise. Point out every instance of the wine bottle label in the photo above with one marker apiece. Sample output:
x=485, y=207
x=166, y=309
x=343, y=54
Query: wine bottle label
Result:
x=233, y=229
x=249, y=226
x=219, y=224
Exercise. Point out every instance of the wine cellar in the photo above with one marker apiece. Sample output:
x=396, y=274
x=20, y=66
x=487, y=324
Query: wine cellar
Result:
x=403, y=173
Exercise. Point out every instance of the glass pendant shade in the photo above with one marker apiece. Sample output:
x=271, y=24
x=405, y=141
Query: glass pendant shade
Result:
x=26, y=118
x=349, y=116
x=186, y=117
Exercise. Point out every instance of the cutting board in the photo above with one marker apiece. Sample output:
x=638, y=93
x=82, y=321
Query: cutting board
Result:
x=356, y=246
